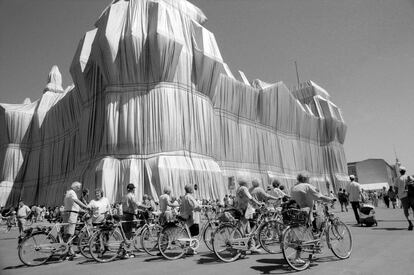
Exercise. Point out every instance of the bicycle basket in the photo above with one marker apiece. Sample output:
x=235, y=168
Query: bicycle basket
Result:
x=295, y=216
x=226, y=216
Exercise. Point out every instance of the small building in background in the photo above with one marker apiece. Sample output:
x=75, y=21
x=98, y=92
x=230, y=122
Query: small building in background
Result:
x=373, y=174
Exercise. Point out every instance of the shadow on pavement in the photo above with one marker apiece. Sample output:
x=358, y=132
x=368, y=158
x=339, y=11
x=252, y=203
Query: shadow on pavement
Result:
x=5, y=239
x=392, y=220
x=21, y=266
x=390, y=228
x=155, y=258
x=326, y=259
x=15, y=267
x=208, y=258
x=275, y=266
x=279, y=266
x=87, y=261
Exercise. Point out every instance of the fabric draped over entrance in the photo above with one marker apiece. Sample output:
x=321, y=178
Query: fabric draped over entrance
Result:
x=154, y=104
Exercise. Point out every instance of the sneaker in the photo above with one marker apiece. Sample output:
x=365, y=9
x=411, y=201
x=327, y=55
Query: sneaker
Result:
x=73, y=257
x=255, y=250
x=127, y=256
x=298, y=261
x=191, y=252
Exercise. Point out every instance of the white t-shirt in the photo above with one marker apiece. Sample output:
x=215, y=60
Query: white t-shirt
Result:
x=164, y=201
x=276, y=192
x=354, y=191
x=69, y=201
x=99, y=208
x=23, y=211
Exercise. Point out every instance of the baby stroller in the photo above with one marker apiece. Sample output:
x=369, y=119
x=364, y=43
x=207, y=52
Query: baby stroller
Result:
x=367, y=215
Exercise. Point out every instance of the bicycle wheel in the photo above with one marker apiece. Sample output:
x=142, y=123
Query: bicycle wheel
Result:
x=270, y=236
x=208, y=236
x=149, y=239
x=36, y=249
x=172, y=242
x=340, y=239
x=223, y=240
x=136, y=239
x=104, y=246
x=83, y=243
x=292, y=248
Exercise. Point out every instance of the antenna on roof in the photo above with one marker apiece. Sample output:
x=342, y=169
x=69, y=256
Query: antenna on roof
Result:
x=395, y=153
x=297, y=73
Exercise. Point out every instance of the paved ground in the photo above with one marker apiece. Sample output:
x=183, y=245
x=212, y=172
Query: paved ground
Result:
x=386, y=249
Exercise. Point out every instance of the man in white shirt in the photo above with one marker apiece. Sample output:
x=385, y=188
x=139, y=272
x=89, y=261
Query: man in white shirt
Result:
x=305, y=194
x=22, y=213
x=166, y=205
x=355, y=192
x=72, y=206
x=260, y=194
x=401, y=183
x=277, y=192
x=99, y=206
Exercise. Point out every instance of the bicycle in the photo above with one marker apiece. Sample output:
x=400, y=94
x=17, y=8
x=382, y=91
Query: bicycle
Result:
x=39, y=244
x=208, y=228
x=300, y=242
x=110, y=240
x=271, y=232
x=175, y=238
x=229, y=243
x=149, y=236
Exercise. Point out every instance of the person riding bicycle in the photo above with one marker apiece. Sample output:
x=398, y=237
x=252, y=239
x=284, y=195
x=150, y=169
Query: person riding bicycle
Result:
x=305, y=195
x=243, y=204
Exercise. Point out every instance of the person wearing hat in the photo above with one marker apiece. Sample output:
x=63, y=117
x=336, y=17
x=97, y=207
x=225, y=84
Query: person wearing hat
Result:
x=401, y=183
x=129, y=207
x=355, y=193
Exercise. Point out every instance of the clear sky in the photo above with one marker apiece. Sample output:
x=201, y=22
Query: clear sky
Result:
x=360, y=51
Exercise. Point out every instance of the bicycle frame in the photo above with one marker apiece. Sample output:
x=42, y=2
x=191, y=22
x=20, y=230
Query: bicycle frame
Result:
x=245, y=242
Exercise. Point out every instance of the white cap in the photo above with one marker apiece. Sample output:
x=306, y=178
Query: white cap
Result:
x=351, y=177
x=402, y=168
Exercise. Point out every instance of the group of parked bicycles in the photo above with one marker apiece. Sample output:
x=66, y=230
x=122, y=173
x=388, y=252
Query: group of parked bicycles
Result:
x=276, y=230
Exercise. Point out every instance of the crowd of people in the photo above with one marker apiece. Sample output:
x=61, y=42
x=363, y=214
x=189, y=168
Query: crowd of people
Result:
x=244, y=200
x=401, y=195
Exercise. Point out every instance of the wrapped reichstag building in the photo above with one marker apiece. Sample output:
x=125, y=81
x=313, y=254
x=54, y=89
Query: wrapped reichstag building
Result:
x=154, y=104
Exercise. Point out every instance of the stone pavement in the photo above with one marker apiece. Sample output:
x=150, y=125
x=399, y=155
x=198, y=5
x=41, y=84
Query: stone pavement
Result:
x=386, y=249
